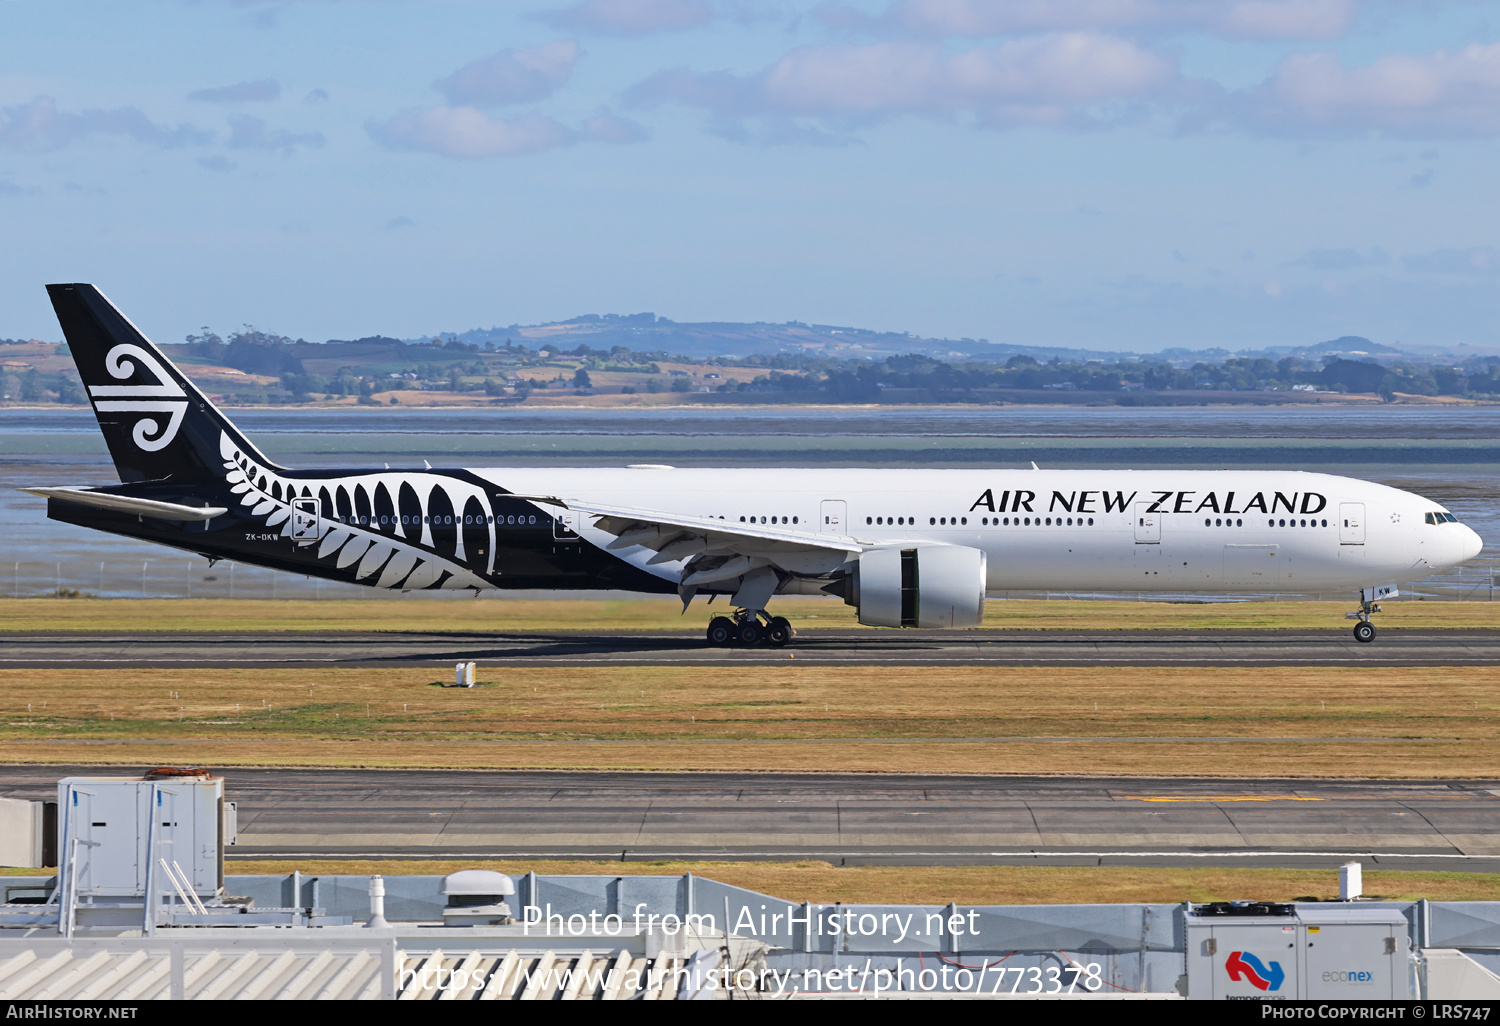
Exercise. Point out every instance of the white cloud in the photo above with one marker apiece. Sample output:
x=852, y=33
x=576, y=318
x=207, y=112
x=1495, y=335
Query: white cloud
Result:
x=466, y=133
x=1286, y=19
x=607, y=126
x=40, y=126
x=628, y=17
x=512, y=76
x=1253, y=19
x=1429, y=95
x=262, y=90
x=248, y=133
x=1035, y=80
x=462, y=130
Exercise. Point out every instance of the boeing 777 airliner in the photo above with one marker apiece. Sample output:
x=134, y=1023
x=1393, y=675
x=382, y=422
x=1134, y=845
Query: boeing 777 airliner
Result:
x=907, y=548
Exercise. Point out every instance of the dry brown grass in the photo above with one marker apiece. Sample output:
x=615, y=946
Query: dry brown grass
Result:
x=975, y=885
x=491, y=614
x=1302, y=722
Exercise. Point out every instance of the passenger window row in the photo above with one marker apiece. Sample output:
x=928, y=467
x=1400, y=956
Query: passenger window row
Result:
x=1296, y=523
x=1217, y=522
x=373, y=521
x=1035, y=521
x=764, y=520
x=984, y=521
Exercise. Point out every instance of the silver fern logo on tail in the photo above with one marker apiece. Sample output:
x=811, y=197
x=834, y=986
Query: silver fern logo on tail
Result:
x=148, y=400
x=385, y=560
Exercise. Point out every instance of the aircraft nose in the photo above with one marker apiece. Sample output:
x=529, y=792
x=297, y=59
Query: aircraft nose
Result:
x=1472, y=543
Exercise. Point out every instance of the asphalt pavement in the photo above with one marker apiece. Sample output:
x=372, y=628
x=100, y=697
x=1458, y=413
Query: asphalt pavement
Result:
x=985, y=647
x=850, y=818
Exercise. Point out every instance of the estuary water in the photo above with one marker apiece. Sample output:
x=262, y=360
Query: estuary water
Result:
x=1451, y=454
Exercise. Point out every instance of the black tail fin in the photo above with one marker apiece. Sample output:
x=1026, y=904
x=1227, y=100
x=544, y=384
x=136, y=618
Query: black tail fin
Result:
x=157, y=424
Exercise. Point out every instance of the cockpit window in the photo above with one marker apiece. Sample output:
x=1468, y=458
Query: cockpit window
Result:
x=1430, y=518
x=1440, y=518
x=1450, y=518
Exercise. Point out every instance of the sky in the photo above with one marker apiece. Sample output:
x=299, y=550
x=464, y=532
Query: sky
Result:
x=1114, y=174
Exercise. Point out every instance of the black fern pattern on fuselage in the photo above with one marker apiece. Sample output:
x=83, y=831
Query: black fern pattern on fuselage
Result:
x=353, y=520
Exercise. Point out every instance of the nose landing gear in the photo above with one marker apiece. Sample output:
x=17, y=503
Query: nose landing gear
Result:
x=1364, y=630
x=745, y=628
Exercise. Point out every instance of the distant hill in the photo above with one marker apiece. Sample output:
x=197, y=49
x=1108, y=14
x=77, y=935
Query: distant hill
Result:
x=1346, y=345
x=646, y=332
x=650, y=360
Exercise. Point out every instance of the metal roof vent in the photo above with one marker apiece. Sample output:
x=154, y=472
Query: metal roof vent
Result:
x=476, y=897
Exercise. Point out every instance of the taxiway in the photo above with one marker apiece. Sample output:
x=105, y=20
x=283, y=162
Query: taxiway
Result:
x=850, y=819
x=985, y=647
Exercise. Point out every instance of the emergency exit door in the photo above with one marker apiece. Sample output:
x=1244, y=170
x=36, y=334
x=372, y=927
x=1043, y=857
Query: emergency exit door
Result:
x=1351, y=523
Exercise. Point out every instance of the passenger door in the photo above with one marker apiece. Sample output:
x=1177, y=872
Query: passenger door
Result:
x=1147, y=525
x=305, y=521
x=563, y=521
x=1351, y=523
x=833, y=516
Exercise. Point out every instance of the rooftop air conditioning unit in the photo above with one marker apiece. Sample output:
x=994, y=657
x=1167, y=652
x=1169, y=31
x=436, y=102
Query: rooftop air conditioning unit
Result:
x=476, y=897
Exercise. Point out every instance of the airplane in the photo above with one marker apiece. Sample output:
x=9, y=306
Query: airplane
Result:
x=906, y=548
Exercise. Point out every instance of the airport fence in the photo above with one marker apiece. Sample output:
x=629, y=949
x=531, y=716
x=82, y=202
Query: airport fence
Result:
x=1130, y=948
x=1115, y=949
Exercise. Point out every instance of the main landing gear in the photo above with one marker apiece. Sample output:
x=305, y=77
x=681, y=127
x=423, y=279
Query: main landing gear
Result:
x=745, y=629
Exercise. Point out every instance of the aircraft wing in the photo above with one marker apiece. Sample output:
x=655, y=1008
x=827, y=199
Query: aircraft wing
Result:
x=715, y=549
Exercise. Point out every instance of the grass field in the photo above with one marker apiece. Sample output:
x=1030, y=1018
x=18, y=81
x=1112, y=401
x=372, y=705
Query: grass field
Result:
x=1300, y=722
x=1261, y=722
x=490, y=614
x=1252, y=722
x=976, y=885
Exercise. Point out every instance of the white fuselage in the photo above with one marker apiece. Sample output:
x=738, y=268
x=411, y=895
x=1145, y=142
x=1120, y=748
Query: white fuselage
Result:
x=1103, y=530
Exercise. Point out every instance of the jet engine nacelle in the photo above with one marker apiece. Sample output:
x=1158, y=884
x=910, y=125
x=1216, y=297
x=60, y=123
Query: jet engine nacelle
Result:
x=928, y=586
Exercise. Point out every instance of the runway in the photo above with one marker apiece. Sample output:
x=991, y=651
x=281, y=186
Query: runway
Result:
x=850, y=819
x=998, y=647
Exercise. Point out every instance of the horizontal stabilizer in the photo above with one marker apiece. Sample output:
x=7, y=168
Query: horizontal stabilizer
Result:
x=127, y=504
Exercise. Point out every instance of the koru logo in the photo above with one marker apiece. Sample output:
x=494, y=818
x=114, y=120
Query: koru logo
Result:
x=148, y=432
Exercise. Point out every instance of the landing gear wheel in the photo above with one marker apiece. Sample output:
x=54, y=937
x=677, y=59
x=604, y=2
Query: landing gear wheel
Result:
x=749, y=633
x=721, y=631
x=778, y=632
x=1364, y=632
